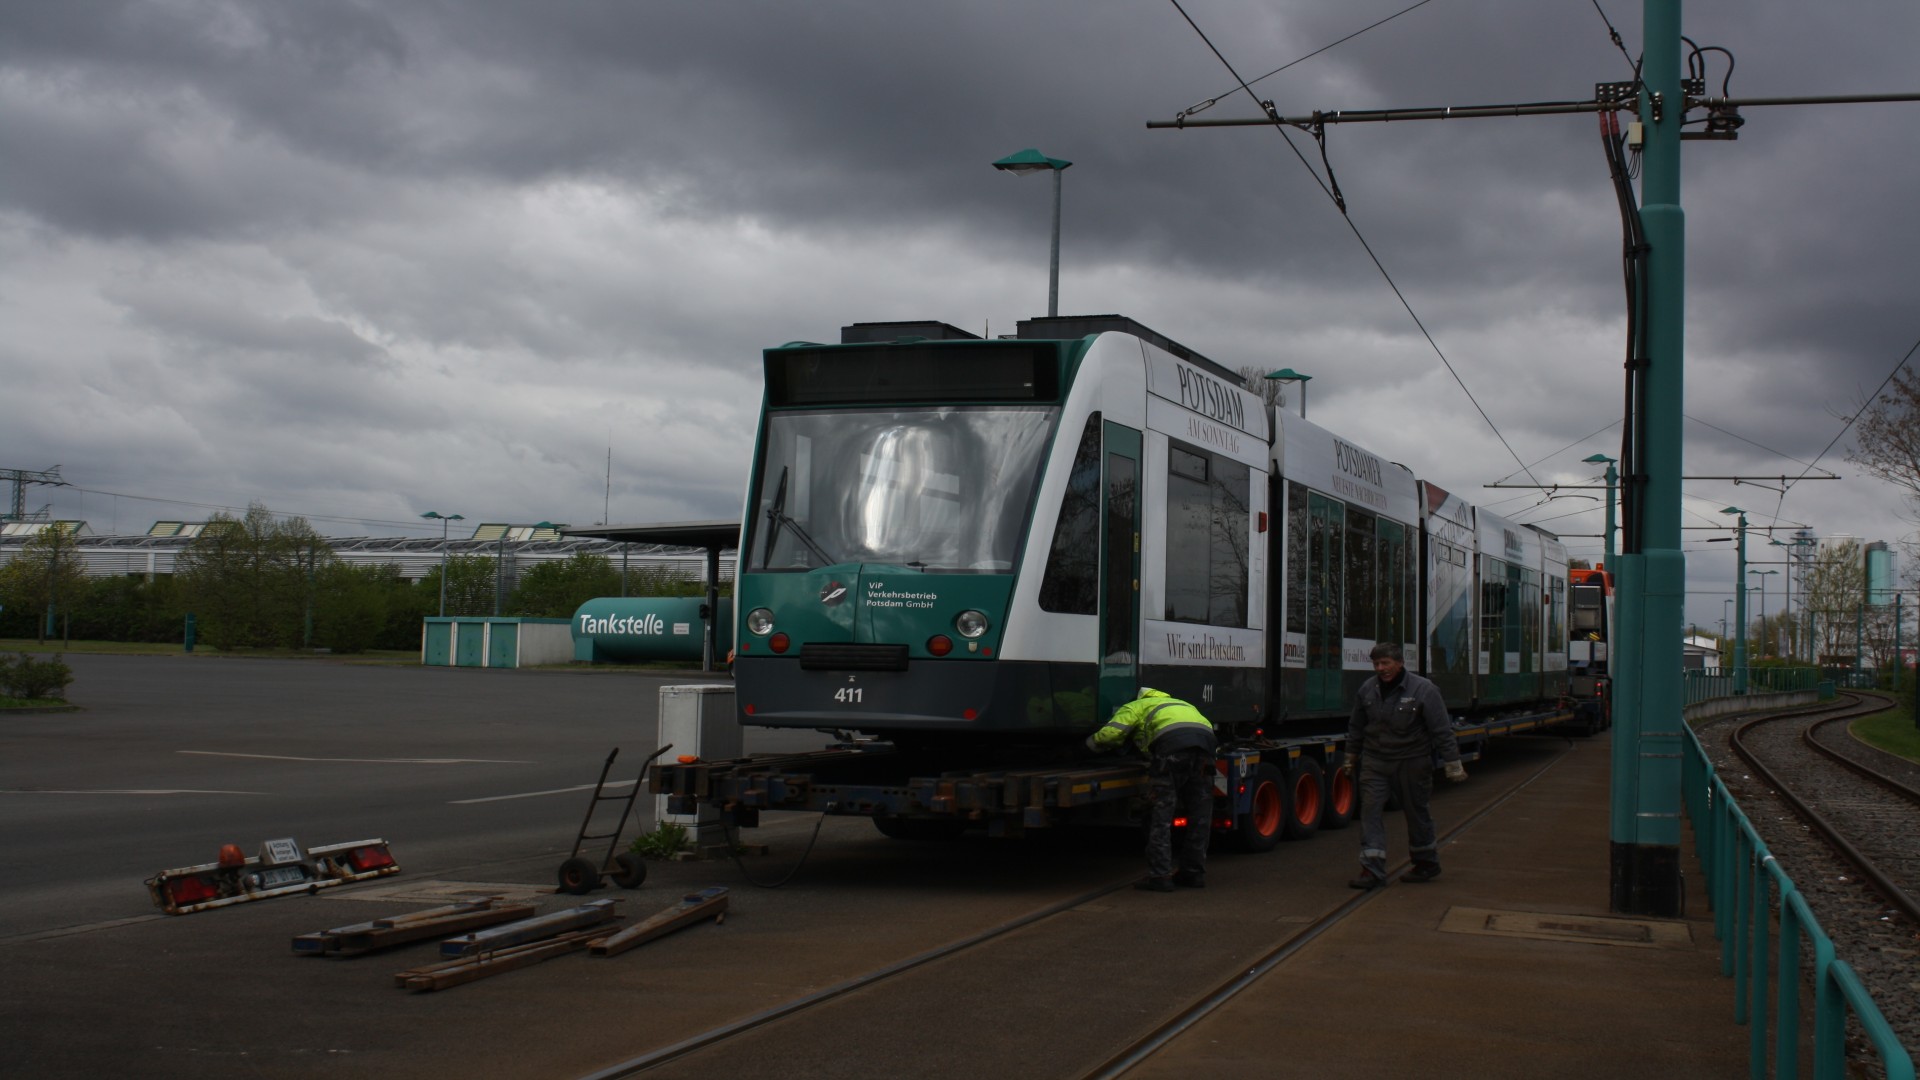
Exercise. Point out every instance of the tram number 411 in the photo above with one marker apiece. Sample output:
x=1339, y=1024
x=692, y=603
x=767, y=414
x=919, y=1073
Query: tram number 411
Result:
x=848, y=695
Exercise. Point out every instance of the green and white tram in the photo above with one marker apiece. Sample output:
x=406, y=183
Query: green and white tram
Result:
x=950, y=538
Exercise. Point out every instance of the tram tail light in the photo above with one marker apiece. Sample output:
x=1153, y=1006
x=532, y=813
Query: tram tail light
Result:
x=779, y=643
x=939, y=644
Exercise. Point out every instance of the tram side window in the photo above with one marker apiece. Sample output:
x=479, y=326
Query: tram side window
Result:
x=1297, y=522
x=1529, y=619
x=1493, y=611
x=1587, y=610
x=1361, y=582
x=1071, y=583
x=1207, y=524
x=1557, y=615
x=1392, y=575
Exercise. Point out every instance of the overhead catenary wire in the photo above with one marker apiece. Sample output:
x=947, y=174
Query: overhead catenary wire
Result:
x=1209, y=102
x=1340, y=202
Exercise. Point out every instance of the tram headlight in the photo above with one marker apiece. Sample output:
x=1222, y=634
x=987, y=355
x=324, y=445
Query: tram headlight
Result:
x=760, y=621
x=970, y=623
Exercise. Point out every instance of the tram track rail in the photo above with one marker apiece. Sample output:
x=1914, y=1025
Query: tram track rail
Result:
x=1873, y=812
x=1217, y=998
x=1245, y=974
x=1778, y=766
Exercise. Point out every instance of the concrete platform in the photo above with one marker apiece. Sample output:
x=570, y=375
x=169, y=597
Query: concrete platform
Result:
x=1508, y=965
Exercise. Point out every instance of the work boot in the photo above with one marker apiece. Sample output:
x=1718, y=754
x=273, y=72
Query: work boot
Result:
x=1154, y=884
x=1191, y=879
x=1366, y=881
x=1422, y=871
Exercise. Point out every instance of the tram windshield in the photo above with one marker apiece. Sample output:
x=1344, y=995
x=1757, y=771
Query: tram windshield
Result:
x=941, y=489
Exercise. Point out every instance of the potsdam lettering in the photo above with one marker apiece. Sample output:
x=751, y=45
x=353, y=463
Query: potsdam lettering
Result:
x=1211, y=397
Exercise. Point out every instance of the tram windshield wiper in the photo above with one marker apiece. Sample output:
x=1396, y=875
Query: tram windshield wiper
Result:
x=777, y=516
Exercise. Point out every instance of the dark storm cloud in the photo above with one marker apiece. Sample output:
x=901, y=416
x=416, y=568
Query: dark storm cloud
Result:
x=522, y=226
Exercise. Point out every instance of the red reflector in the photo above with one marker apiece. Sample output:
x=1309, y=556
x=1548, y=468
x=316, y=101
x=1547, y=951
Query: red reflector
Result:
x=742, y=648
x=986, y=650
x=1179, y=822
x=939, y=644
x=191, y=890
x=1263, y=521
x=370, y=858
x=1241, y=790
x=749, y=710
x=969, y=714
x=778, y=642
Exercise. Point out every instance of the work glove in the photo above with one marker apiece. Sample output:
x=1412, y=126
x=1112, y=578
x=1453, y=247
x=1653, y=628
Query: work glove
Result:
x=1349, y=764
x=1091, y=745
x=1456, y=772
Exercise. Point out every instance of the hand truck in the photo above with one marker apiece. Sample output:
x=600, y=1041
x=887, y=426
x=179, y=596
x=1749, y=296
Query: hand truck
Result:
x=580, y=876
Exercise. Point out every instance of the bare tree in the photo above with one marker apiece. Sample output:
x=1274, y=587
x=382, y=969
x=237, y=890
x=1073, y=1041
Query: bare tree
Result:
x=1888, y=437
x=1272, y=392
x=1835, y=587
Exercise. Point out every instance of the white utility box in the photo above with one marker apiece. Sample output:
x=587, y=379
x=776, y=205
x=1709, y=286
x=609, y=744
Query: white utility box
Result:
x=700, y=720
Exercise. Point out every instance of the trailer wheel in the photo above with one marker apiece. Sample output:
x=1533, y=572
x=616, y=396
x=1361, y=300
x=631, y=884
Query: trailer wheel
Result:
x=1259, y=829
x=1306, y=795
x=1343, y=800
x=630, y=872
x=579, y=876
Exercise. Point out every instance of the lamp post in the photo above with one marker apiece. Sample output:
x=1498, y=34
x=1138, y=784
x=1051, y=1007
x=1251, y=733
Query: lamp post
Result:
x=1739, y=601
x=1762, y=575
x=1613, y=477
x=444, y=520
x=1796, y=555
x=1026, y=163
x=1287, y=374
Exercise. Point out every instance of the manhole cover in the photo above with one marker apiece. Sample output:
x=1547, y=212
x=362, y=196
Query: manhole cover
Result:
x=1547, y=926
x=441, y=892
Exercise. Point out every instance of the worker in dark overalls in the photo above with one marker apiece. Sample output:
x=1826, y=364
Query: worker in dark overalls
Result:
x=1399, y=725
x=1179, y=745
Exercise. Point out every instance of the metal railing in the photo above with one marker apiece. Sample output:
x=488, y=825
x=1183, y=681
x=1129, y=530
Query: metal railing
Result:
x=1744, y=885
x=1760, y=680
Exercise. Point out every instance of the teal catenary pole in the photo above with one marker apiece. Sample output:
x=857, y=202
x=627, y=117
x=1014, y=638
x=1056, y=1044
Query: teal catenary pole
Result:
x=1645, y=820
x=1739, y=602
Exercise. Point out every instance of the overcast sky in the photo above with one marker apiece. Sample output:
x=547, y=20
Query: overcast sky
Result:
x=361, y=260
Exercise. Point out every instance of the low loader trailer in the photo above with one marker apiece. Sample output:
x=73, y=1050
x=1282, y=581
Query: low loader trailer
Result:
x=1265, y=789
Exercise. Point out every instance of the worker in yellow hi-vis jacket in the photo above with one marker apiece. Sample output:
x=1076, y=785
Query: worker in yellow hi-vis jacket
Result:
x=1179, y=745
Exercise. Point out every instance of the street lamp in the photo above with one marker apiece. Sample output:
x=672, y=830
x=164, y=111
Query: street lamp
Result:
x=1739, y=602
x=1287, y=374
x=1796, y=554
x=1762, y=575
x=1613, y=477
x=1026, y=163
x=444, y=520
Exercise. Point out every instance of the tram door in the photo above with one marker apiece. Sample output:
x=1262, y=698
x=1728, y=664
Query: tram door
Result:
x=1326, y=547
x=1119, y=568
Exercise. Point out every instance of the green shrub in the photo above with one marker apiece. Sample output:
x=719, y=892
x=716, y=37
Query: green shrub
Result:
x=23, y=676
x=665, y=841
